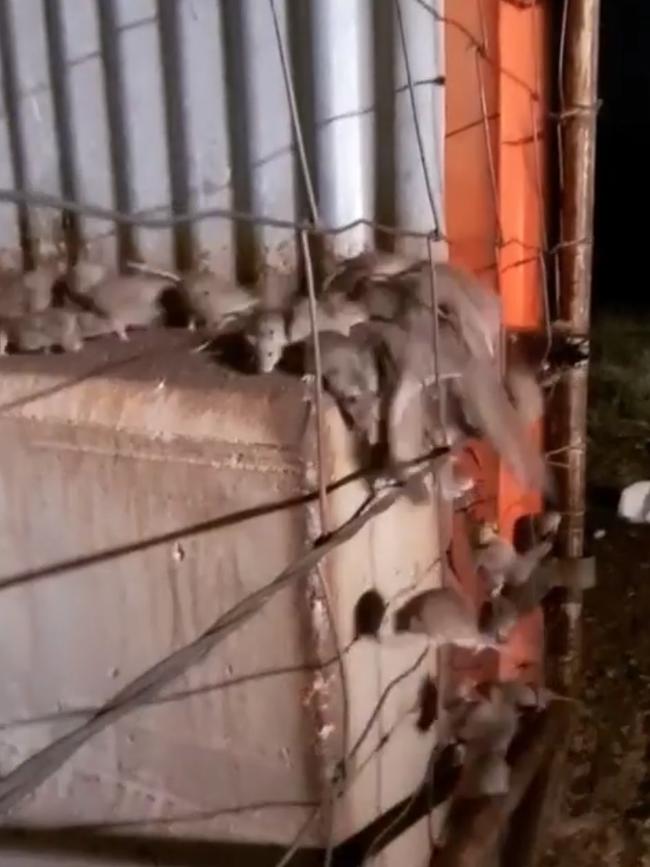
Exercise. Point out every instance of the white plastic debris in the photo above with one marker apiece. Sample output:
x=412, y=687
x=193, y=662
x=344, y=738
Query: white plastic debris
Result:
x=634, y=503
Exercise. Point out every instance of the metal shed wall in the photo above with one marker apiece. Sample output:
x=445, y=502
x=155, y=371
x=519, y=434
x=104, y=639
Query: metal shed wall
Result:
x=181, y=104
x=157, y=107
x=178, y=105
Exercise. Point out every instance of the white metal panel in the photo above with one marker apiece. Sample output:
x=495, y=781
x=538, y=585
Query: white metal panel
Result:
x=36, y=116
x=9, y=235
x=86, y=86
x=417, y=184
x=273, y=189
x=206, y=127
x=344, y=117
x=229, y=135
x=145, y=123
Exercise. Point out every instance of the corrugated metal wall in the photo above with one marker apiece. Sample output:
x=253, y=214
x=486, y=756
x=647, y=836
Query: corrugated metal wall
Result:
x=158, y=105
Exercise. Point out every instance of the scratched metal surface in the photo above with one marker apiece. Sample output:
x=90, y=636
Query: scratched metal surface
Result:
x=123, y=443
x=115, y=458
x=181, y=105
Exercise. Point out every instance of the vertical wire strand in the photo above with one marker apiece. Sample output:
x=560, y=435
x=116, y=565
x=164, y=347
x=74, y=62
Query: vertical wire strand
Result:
x=494, y=186
x=318, y=398
x=441, y=659
x=441, y=395
x=560, y=88
x=489, y=150
x=309, y=267
x=433, y=295
x=484, y=34
x=544, y=289
x=441, y=656
x=295, y=115
x=318, y=385
x=560, y=137
x=292, y=851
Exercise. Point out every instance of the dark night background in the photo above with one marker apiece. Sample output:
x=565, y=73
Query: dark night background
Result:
x=622, y=238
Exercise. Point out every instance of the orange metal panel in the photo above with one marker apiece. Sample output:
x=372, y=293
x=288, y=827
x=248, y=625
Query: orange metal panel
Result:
x=521, y=161
x=471, y=182
x=521, y=188
x=470, y=197
x=522, y=60
x=495, y=182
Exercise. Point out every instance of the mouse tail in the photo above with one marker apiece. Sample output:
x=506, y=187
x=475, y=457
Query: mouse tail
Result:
x=490, y=410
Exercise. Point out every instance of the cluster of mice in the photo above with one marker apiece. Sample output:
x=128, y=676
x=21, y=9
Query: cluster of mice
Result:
x=392, y=362
x=407, y=376
x=56, y=307
x=482, y=729
x=477, y=723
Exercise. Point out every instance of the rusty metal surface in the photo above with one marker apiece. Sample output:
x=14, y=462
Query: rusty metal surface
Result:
x=568, y=411
x=115, y=447
x=578, y=107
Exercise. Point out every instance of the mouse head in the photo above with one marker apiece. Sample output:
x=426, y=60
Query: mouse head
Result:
x=269, y=338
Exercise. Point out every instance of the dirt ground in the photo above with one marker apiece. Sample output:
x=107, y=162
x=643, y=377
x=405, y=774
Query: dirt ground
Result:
x=606, y=815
